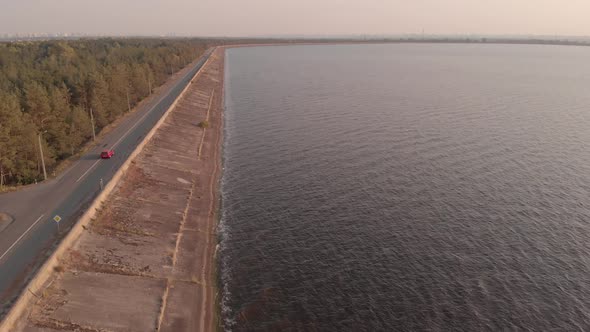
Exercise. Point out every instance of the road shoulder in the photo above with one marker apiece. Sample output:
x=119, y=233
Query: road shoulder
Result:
x=146, y=262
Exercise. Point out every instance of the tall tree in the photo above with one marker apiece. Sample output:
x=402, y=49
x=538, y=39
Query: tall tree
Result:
x=48, y=88
x=57, y=129
x=37, y=104
x=10, y=133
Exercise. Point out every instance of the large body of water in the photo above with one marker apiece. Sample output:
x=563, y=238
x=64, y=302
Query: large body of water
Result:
x=406, y=187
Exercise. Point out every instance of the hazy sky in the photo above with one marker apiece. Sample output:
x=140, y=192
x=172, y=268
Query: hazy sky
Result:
x=283, y=17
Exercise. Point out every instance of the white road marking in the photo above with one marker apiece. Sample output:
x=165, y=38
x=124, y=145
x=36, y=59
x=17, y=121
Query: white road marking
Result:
x=88, y=170
x=124, y=135
x=141, y=119
x=136, y=123
x=148, y=112
x=20, y=237
x=62, y=175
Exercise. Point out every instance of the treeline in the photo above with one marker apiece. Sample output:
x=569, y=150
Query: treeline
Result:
x=50, y=90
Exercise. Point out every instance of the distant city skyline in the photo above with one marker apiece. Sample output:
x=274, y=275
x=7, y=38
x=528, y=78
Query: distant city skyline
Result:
x=237, y=18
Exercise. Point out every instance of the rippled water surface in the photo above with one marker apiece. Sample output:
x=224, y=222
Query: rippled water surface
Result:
x=406, y=187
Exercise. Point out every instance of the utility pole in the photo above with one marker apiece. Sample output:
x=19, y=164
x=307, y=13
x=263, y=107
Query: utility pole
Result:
x=1, y=176
x=150, y=85
x=41, y=151
x=92, y=124
x=128, y=103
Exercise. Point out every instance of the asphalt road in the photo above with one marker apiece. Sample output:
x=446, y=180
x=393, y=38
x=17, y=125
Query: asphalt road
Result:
x=26, y=242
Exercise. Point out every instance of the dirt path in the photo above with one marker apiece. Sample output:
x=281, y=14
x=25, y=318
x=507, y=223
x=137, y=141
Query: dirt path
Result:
x=146, y=263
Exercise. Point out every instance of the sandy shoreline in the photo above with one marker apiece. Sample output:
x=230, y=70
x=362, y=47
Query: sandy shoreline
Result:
x=146, y=262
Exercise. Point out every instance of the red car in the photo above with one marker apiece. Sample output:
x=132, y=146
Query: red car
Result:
x=106, y=154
